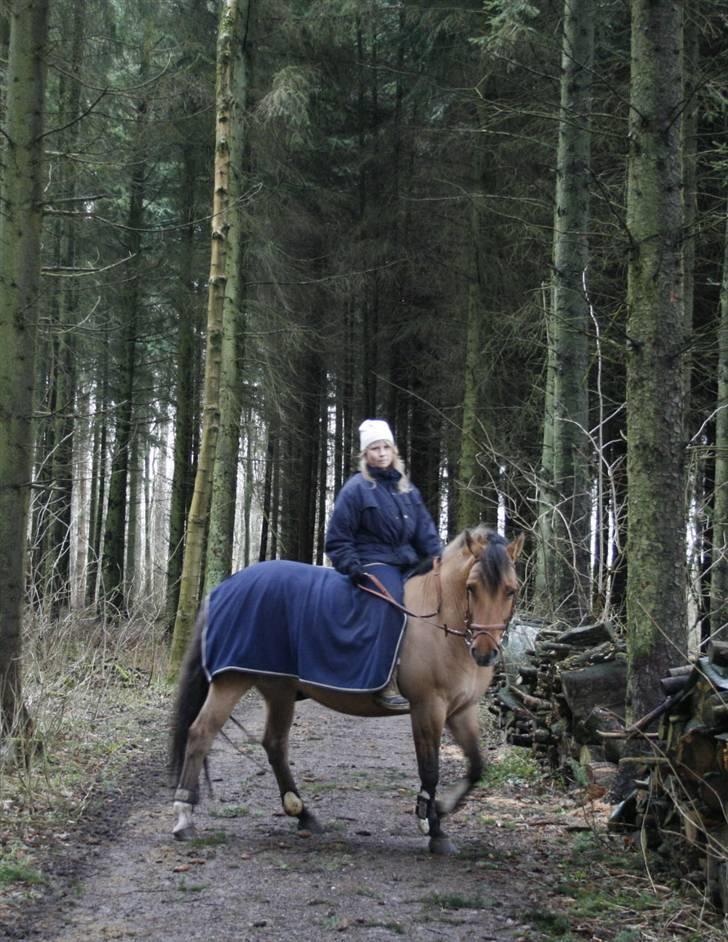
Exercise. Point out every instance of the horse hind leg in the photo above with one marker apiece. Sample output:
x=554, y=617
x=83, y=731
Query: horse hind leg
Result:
x=281, y=704
x=222, y=696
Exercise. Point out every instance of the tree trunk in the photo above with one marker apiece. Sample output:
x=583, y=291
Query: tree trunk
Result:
x=719, y=572
x=224, y=483
x=571, y=520
x=98, y=478
x=543, y=583
x=249, y=485
x=132, y=567
x=469, y=503
x=59, y=532
x=20, y=243
x=113, y=572
x=228, y=47
x=266, y=502
x=187, y=368
x=656, y=587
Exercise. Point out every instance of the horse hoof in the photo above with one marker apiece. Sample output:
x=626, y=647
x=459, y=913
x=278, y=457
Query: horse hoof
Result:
x=307, y=822
x=442, y=846
x=188, y=833
x=292, y=804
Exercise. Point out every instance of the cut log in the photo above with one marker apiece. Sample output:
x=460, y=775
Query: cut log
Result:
x=598, y=686
x=671, y=685
x=587, y=636
x=718, y=653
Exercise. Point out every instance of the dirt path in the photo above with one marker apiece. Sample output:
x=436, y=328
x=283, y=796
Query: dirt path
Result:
x=252, y=877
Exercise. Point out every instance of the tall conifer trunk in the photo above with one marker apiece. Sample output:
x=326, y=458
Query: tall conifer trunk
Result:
x=20, y=242
x=182, y=473
x=656, y=589
x=113, y=568
x=228, y=46
x=98, y=476
x=566, y=449
x=59, y=529
x=219, y=556
x=719, y=572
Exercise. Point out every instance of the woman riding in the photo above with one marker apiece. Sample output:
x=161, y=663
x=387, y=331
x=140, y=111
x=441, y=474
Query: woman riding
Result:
x=380, y=525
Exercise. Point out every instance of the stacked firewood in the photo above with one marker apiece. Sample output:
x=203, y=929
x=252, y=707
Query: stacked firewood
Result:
x=565, y=701
x=680, y=802
x=569, y=687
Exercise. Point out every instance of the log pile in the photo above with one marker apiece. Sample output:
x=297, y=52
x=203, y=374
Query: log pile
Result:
x=680, y=802
x=570, y=687
x=565, y=701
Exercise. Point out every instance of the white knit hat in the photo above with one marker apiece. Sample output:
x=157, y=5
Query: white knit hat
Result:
x=374, y=430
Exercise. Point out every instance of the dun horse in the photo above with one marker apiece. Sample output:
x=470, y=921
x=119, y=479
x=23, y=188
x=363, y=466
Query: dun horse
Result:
x=446, y=665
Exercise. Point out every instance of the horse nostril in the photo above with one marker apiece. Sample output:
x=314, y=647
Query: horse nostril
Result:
x=487, y=659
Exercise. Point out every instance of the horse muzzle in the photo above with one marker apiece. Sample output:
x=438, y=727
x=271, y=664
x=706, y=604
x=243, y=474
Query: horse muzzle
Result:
x=488, y=659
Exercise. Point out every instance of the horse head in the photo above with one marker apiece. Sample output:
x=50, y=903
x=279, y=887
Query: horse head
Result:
x=488, y=586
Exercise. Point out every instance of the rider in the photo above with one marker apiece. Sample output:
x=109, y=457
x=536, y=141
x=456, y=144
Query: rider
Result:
x=379, y=519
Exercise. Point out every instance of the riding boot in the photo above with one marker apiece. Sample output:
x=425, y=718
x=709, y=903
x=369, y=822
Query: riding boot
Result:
x=391, y=697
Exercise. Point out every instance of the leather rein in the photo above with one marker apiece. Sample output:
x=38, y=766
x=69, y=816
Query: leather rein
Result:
x=469, y=633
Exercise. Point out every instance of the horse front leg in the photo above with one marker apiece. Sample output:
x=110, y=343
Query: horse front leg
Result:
x=427, y=725
x=280, y=700
x=222, y=696
x=465, y=730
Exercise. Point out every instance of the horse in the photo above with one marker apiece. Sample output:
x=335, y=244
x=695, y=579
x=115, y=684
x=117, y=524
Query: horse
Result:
x=457, y=617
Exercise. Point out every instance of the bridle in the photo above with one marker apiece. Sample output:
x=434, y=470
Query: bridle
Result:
x=471, y=630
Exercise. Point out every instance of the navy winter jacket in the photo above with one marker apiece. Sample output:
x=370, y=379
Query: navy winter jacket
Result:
x=376, y=523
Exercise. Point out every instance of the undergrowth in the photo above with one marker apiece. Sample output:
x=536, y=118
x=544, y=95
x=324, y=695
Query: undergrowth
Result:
x=606, y=893
x=93, y=690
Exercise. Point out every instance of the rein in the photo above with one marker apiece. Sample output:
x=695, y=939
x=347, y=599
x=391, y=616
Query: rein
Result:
x=469, y=633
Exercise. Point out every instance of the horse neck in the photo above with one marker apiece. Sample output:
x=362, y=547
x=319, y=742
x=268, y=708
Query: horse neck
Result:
x=422, y=593
x=452, y=594
x=441, y=592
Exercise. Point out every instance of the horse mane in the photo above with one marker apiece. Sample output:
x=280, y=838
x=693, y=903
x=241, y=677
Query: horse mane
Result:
x=494, y=562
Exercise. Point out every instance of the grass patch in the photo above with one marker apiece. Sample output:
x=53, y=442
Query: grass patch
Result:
x=454, y=901
x=16, y=871
x=515, y=767
x=185, y=887
x=395, y=927
x=609, y=893
x=548, y=922
x=230, y=811
x=213, y=839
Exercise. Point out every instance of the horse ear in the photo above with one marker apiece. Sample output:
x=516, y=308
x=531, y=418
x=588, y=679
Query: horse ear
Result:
x=515, y=546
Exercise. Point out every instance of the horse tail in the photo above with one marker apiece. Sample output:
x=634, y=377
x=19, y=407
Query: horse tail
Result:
x=192, y=691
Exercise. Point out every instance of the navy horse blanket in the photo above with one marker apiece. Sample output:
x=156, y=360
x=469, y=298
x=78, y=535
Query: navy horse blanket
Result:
x=309, y=622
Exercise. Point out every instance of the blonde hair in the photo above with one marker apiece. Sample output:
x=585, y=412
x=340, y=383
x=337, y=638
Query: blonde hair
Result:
x=404, y=486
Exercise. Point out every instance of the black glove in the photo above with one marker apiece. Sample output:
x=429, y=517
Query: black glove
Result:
x=359, y=577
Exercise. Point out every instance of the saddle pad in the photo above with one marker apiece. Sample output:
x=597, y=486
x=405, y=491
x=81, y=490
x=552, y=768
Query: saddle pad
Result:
x=310, y=622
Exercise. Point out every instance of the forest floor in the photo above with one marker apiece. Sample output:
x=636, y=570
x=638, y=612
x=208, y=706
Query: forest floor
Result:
x=534, y=862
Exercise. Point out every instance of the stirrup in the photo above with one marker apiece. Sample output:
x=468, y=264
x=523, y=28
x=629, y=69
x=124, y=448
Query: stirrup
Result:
x=395, y=702
x=391, y=698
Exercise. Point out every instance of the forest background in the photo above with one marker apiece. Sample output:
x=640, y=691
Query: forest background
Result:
x=232, y=230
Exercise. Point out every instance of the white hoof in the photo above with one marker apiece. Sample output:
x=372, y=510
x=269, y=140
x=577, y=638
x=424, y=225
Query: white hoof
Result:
x=424, y=825
x=292, y=804
x=184, y=828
